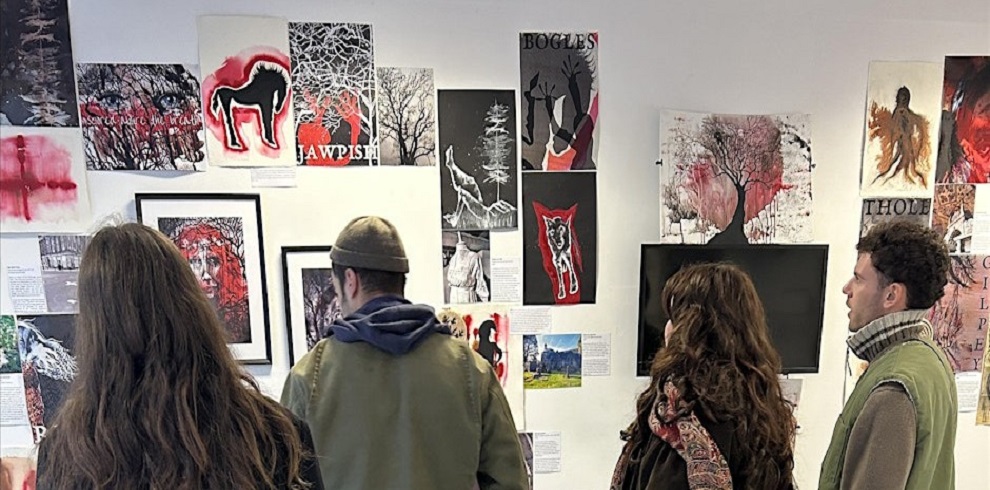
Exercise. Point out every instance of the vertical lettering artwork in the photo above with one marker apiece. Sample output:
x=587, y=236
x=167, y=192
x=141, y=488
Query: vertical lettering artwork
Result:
x=42, y=180
x=560, y=91
x=246, y=90
x=959, y=319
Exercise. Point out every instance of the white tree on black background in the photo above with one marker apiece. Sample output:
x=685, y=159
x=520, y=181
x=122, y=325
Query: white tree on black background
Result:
x=328, y=59
x=496, y=147
x=406, y=115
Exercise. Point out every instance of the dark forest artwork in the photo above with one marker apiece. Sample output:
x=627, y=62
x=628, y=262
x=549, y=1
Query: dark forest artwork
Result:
x=333, y=78
x=407, y=127
x=479, y=174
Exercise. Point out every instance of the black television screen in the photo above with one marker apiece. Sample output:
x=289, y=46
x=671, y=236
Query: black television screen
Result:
x=790, y=280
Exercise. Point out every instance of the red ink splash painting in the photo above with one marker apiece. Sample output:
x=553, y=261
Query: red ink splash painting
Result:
x=964, y=140
x=42, y=180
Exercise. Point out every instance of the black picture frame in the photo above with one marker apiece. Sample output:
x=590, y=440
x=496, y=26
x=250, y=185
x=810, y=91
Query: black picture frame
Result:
x=297, y=331
x=226, y=215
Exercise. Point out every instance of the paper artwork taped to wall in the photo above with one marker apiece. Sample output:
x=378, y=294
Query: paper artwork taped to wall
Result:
x=406, y=116
x=552, y=361
x=48, y=364
x=559, y=88
x=247, y=96
x=37, y=82
x=466, y=267
x=735, y=179
x=953, y=215
x=479, y=178
x=42, y=180
x=560, y=238
x=983, y=403
x=333, y=76
x=60, y=257
x=486, y=328
x=881, y=210
x=10, y=358
x=959, y=318
x=214, y=248
x=902, y=117
x=141, y=117
x=964, y=137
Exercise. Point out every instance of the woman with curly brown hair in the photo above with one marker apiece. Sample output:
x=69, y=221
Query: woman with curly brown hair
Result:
x=713, y=416
x=159, y=401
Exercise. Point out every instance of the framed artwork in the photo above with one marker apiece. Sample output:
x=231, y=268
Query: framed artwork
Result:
x=221, y=236
x=311, y=303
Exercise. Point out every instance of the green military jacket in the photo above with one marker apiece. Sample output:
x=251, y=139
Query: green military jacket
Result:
x=432, y=419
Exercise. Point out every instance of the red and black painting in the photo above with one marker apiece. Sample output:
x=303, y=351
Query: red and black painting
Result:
x=215, y=250
x=141, y=117
x=964, y=138
x=486, y=328
x=560, y=235
x=333, y=75
x=248, y=104
x=48, y=364
x=42, y=179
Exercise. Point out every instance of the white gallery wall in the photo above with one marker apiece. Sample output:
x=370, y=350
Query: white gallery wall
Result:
x=723, y=56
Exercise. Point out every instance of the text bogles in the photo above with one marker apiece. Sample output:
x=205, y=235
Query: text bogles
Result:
x=531, y=40
x=898, y=207
x=336, y=152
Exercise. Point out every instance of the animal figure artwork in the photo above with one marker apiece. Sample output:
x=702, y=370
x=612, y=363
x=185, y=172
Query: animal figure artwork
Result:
x=561, y=251
x=266, y=91
x=49, y=368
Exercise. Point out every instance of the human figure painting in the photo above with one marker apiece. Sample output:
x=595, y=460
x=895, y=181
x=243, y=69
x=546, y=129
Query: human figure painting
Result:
x=214, y=248
x=560, y=238
x=48, y=363
x=247, y=96
x=42, y=180
x=333, y=75
x=479, y=175
x=964, y=138
x=141, y=117
x=559, y=88
x=486, y=329
x=902, y=114
x=735, y=179
x=37, y=82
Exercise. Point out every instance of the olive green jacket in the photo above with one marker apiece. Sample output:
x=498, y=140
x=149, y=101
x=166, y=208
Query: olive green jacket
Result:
x=432, y=419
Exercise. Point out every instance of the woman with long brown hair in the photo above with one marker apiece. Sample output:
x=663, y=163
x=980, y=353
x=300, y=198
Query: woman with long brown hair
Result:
x=713, y=416
x=159, y=401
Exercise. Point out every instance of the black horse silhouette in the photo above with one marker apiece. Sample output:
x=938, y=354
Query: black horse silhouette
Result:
x=265, y=90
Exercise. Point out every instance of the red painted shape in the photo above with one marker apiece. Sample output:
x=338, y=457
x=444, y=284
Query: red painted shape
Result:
x=313, y=136
x=500, y=336
x=234, y=72
x=35, y=171
x=548, y=266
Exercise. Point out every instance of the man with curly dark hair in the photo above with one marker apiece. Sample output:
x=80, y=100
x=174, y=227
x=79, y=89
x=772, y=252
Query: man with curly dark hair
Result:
x=898, y=428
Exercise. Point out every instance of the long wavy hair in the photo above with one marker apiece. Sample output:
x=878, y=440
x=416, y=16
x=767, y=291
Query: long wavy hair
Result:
x=722, y=361
x=159, y=401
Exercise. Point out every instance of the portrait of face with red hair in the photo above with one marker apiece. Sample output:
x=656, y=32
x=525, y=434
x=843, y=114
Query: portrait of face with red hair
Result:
x=214, y=248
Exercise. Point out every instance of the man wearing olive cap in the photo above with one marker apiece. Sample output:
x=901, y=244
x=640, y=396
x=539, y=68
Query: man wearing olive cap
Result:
x=393, y=401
